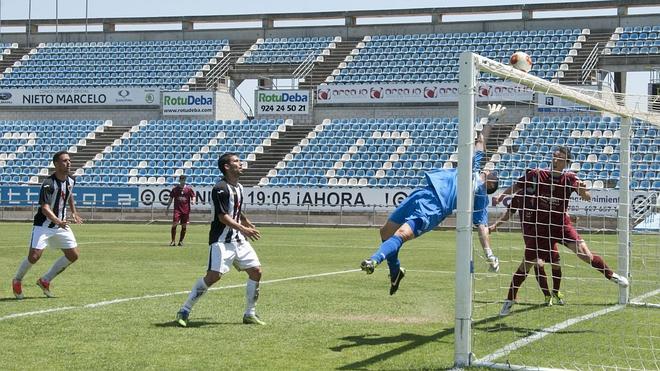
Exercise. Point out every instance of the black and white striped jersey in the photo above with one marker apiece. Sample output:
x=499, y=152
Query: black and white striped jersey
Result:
x=55, y=193
x=227, y=199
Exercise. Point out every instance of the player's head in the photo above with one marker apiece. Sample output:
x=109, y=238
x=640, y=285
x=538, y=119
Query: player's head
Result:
x=561, y=158
x=492, y=181
x=182, y=180
x=229, y=163
x=62, y=161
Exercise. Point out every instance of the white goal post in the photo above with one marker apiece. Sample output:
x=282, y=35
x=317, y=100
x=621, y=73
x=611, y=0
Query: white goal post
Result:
x=471, y=65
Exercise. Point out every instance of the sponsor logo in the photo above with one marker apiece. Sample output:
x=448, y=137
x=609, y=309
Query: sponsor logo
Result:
x=282, y=97
x=190, y=100
x=149, y=98
x=323, y=94
x=430, y=91
x=376, y=93
x=5, y=95
x=124, y=93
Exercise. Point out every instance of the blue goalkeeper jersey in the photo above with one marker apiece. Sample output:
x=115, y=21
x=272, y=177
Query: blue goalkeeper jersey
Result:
x=444, y=183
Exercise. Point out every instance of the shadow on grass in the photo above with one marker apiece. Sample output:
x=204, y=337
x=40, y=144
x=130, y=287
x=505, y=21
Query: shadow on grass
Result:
x=524, y=332
x=196, y=324
x=411, y=341
x=26, y=298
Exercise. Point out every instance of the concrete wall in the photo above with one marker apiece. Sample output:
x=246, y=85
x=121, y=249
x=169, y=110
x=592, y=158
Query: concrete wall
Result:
x=119, y=117
x=249, y=35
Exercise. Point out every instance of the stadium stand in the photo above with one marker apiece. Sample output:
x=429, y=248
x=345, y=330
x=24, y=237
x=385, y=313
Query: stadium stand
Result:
x=434, y=57
x=293, y=50
x=594, y=142
x=165, y=64
x=634, y=40
x=353, y=152
x=158, y=151
x=27, y=147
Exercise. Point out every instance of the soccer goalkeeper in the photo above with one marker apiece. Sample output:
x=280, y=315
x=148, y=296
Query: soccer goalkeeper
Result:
x=427, y=207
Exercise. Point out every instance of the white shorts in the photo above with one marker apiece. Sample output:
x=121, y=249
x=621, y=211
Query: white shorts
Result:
x=222, y=255
x=58, y=238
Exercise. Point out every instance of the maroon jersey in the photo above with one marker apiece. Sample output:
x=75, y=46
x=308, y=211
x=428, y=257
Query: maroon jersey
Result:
x=548, y=194
x=182, y=197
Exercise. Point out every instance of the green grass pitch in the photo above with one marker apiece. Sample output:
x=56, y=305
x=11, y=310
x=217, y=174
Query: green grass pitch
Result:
x=115, y=307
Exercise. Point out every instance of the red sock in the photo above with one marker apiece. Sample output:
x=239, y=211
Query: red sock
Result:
x=598, y=263
x=542, y=279
x=556, y=278
x=173, y=233
x=183, y=234
x=516, y=282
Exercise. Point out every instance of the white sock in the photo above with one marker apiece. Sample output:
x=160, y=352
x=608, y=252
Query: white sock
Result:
x=58, y=267
x=198, y=289
x=22, y=269
x=251, y=297
x=488, y=252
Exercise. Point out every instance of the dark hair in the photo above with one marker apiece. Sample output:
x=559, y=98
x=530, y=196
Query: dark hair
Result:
x=224, y=160
x=492, y=182
x=57, y=155
x=566, y=151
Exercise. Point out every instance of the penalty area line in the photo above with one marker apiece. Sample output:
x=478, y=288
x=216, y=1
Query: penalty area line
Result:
x=124, y=300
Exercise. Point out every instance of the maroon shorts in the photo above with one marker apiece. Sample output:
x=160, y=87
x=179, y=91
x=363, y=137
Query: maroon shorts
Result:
x=180, y=218
x=541, y=241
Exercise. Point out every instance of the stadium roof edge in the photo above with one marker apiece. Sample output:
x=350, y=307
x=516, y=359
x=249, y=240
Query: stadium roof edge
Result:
x=527, y=11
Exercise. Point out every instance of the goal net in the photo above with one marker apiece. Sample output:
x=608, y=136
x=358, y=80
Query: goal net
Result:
x=593, y=321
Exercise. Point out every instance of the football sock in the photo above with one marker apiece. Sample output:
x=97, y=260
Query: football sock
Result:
x=488, y=252
x=173, y=233
x=598, y=263
x=22, y=269
x=183, y=233
x=516, y=282
x=556, y=279
x=542, y=279
x=251, y=296
x=387, y=248
x=58, y=267
x=198, y=289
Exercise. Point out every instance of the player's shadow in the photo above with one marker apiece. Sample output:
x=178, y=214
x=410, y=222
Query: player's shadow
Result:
x=410, y=342
x=27, y=298
x=196, y=324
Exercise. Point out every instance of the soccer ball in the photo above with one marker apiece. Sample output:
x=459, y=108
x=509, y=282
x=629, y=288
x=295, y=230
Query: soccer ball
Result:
x=521, y=61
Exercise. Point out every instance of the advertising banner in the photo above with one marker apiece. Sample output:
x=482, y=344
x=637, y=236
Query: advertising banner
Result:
x=84, y=196
x=188, y=103
x=282, y=102
x=550, y=103
x=604, y=202
x=77, y=97
x=417, y=93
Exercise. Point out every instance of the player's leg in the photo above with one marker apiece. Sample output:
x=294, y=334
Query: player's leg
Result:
x=220, y=259
x=66, y=241
x=184, y=225
x=573, y=241
x=542, y=280
x=38, y=242
x=176, y=217
x=543, y=249
x=247, y=260
x=520, y=275
x=557, y=295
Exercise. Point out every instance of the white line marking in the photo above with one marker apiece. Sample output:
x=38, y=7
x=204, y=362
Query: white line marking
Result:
x=558, y=327
x=124, y=300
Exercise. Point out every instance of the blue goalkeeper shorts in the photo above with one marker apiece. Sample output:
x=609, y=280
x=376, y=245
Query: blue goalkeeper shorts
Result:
x=423, y=207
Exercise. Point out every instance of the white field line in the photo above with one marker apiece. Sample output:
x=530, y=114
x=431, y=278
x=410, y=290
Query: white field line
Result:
x=123, y=300
x=552, y=329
